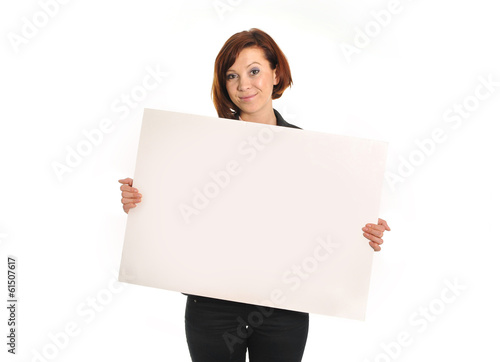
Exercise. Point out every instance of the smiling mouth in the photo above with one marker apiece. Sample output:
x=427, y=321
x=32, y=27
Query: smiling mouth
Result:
x=247, y=98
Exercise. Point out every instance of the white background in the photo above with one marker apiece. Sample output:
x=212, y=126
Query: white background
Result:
x=67, y=232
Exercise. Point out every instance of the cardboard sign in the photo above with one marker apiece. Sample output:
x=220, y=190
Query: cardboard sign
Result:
x=254, y=213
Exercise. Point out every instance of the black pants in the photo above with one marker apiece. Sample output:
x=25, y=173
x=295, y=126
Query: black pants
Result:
x=221, y=331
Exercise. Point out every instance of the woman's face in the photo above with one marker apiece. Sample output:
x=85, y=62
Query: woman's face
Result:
x=250, y=81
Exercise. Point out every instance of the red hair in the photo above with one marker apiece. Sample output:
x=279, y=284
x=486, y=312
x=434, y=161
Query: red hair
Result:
x=226, y=58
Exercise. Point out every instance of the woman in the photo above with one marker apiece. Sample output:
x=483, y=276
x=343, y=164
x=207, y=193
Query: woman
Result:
x=250, y=71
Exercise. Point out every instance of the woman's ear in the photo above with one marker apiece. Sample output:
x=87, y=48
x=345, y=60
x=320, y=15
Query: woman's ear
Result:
x=275, y=74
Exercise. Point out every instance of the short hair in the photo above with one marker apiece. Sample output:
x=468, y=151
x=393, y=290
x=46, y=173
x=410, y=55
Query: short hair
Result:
x=226, y=58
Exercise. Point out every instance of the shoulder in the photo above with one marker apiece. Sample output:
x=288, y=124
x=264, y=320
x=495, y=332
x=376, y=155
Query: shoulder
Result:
x=281, y=122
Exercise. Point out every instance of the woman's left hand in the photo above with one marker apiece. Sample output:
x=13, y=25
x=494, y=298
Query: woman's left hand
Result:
x=374, y=233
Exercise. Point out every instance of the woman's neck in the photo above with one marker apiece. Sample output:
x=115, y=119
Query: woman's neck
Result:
x=266, y=118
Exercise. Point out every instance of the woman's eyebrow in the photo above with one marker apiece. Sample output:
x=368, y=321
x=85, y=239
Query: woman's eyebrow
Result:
x=253, y=64
x=248, y=66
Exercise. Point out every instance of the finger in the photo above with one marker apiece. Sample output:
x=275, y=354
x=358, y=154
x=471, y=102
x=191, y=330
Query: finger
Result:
x=384, y=224
x=127, y=207
x=128, y=188
x=127, y=181
x=126, y=201
x=375, y=246
x=374, y=230
x=373, y=238
x=131, y=195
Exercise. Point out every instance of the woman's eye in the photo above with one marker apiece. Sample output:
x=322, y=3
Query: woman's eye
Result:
x=255, y=71
x=231, y=76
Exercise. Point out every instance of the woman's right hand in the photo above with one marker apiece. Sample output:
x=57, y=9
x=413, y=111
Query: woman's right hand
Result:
x=130, y=195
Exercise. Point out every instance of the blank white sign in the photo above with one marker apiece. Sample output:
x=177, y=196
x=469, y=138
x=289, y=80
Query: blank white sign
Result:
x=254, y=213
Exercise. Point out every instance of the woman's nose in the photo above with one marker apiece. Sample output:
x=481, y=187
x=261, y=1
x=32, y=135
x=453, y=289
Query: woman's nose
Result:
x=244, y=83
